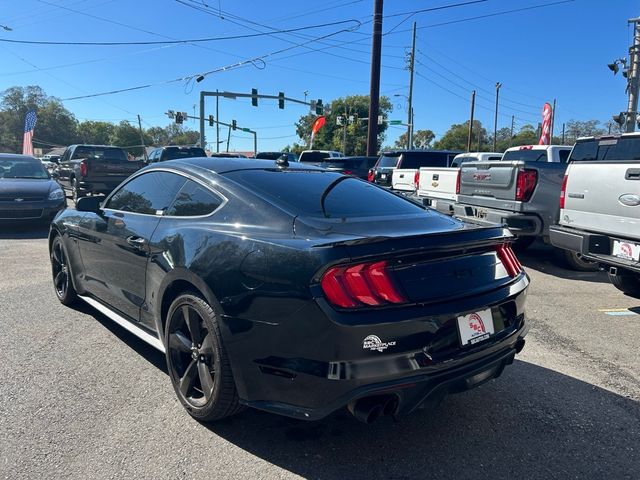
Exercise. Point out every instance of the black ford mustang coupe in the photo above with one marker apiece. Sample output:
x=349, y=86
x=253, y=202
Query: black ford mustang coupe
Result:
x=292, y=289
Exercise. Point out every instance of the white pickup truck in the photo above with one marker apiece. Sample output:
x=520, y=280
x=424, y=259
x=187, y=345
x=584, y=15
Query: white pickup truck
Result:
x=600, y=207
x=405, y=176
x=442, y=183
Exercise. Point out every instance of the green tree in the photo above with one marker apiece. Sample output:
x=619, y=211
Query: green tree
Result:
x=172, y=134
x=55, y=124
x=456, y=137
x=421, y=139
x=350, y=137
x=97, y=133
x=127, y=136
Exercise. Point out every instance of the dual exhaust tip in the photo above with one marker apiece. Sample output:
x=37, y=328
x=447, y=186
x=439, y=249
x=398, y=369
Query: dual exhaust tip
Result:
x=369, y=409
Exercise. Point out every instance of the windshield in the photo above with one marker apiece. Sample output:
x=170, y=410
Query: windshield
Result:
x=268, y=155
x=348, y=163
x=22, y=168
x=313, y=157
x=624, y=148
x=100, y=153
x=323, y=194
x=173, y=153
x=526, y=155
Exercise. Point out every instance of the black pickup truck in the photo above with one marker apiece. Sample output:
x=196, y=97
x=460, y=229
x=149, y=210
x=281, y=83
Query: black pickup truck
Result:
x=94, y=169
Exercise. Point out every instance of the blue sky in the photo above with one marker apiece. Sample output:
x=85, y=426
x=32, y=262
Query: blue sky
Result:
x=558, y=51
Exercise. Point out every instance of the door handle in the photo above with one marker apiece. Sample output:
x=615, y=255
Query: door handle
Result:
x=137, y=242
x=632, y=174
x=402, y=175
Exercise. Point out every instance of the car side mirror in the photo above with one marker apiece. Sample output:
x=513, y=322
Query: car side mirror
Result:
x=89, y=204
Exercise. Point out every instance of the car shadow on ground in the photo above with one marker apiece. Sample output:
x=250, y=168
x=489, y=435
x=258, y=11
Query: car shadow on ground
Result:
x=544, y=258
x=25, y=231
x=530, y=423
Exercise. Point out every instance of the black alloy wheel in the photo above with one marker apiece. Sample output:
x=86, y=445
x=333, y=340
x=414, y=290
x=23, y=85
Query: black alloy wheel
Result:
x=197, y=363
x=61, y=273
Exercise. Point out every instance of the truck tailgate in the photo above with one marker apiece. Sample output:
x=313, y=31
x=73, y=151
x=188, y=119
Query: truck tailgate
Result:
x=603, y=197
x=482, y=183
x=101, y=168
x=438, y=182
x=403, y=179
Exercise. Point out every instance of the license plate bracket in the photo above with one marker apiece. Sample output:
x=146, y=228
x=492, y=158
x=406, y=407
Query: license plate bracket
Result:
x=475, y=327
x=626, y=250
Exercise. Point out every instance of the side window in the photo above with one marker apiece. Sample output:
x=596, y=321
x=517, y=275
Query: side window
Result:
x=65, y=155
x=194, y=200
x=147, y=193
x=564, y=155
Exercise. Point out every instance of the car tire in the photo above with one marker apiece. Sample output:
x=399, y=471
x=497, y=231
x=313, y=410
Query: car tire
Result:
x=522, y=243
x=628, y=283
x=197, y=361
x=76, y=194
x=61, y=273
x=575, y=261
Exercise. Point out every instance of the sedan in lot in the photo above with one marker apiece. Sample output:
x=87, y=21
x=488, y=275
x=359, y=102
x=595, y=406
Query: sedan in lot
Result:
x=27, y=191
x=293, y=289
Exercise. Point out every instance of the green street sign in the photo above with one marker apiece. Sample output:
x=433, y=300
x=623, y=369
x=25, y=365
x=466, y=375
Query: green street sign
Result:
x=395, y=122
x=246, y=130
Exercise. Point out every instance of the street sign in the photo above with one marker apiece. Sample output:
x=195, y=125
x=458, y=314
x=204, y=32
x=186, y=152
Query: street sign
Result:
x=246, y=129
x=339, y=120
x=395, y=122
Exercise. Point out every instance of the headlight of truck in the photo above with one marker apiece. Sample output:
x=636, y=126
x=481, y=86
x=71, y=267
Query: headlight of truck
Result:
x=57, y=194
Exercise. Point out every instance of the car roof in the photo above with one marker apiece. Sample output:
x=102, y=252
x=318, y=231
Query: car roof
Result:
x=400, y=151
x=535, y=147
x=17, y=156
x=228, y=164
x=608, y=136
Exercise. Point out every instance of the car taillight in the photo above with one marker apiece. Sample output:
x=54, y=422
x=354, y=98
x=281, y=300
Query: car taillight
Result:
x=364, y=284
x=525, y=184
x=83, y=168
x=509, y=260
x=347, y=172
x=370, y=176
x=563, y=191
x=458, y=183
x=416, y=180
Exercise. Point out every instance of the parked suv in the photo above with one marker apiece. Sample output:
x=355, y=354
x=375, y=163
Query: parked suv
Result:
x=410, y=161
x=172, y=152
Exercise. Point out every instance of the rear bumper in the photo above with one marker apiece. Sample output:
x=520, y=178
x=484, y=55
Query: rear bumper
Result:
x=327, y=368
x=100, y=186
x=521, y=224
x=594, y=246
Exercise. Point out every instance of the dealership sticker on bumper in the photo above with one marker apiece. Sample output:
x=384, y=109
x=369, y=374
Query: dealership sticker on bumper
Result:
x=628, y=250
x=475, y=327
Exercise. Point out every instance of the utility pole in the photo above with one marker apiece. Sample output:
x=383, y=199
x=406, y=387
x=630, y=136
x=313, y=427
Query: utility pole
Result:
x=473, y=106
x=495, y=118
x=374, y=88
x=202, y=119
x=553, y=120
x=634, y=72
x=563, y=132
x=513, y=120
x=228, y=138
x=410, y=112
x=344, y=133
x=217, y=124
x=144, y=149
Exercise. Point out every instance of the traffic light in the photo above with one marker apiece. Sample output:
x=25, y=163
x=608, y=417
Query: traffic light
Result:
x=281, y=100
x=211, y=120
x=179, y=117
x=234, y=124
x=254, y=97
x=319, y=109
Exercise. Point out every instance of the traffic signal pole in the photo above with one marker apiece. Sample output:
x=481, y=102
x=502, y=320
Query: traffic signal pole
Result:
x=374, y=88
x=410, y=112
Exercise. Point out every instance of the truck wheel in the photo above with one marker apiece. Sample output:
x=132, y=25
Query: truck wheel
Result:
x=522, y=243
x=628, y=283
x=576, y=261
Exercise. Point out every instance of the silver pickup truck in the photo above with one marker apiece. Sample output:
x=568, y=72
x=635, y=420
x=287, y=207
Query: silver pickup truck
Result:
x=600, y=207
x=521, y=191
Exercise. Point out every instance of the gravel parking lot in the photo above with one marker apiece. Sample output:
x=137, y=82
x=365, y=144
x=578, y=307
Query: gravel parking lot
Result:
x=82, y=398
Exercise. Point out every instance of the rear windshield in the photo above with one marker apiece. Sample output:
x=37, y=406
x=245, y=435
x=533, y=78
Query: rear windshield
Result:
x=313, y=157
x=387, y=161
x=526, y=155
x=269, y=155
x=101, y=153
x=625, y=148
x=352, y=163
x=302, y=192
x=425, y=159
x=174, y=153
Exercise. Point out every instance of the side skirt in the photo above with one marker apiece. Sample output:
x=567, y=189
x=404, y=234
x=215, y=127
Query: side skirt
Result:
x=124, y=323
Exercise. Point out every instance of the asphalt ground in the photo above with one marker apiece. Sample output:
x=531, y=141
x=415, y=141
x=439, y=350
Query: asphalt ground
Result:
x=82, y=398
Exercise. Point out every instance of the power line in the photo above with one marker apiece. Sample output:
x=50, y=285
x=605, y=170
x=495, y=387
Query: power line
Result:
x=171, y=42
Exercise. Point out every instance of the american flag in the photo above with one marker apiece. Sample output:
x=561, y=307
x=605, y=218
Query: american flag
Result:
x=29, y=125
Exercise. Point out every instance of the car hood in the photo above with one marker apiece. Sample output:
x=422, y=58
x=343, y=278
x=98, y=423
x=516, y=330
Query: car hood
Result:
x=26, y=186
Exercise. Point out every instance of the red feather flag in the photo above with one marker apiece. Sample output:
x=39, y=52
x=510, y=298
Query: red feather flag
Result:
x=545, y=134
x=317, y=125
